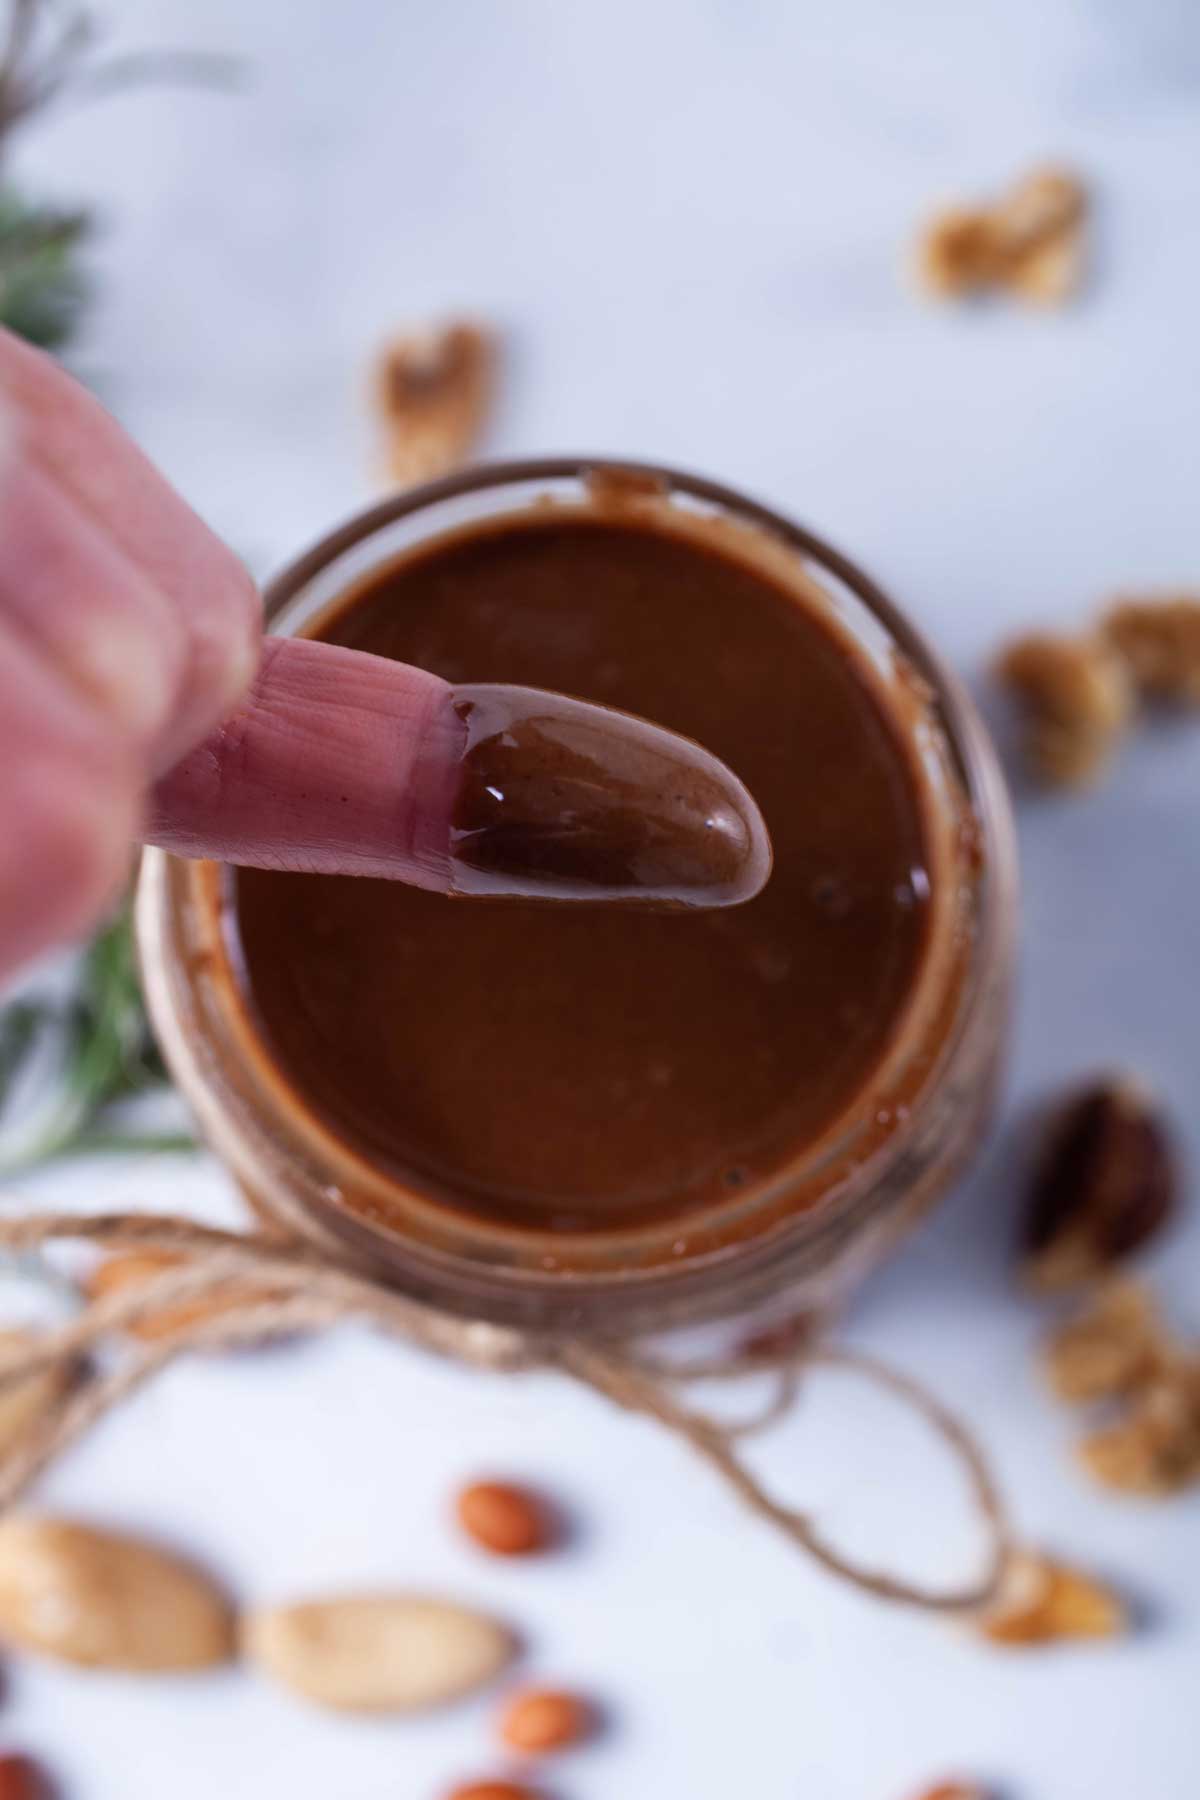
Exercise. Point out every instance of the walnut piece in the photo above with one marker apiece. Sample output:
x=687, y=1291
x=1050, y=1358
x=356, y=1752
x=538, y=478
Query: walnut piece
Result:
x=1154, y=1449
x=1077, y=699
x=1159, y=640
x=1103, y=1185
x=435, y=389
x=1042, y=1601
x=1032, y=242
x=1112, y=1348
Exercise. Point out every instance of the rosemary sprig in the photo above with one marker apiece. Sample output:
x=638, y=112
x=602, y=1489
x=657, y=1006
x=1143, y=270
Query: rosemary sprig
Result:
x=105, y=1056
x=51, y=52
x=43, y=289
x=68, y=1067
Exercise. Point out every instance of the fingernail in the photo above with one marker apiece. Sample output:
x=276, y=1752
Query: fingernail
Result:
x=559, y=799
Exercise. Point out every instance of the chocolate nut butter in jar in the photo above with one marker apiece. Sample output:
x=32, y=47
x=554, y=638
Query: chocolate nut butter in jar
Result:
x=593, y=1119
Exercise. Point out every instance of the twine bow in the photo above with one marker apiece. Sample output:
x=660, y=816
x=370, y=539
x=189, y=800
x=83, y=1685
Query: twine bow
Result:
x=248, y=1287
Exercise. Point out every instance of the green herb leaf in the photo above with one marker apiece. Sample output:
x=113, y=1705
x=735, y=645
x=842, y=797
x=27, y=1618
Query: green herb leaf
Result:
x=107, y=1056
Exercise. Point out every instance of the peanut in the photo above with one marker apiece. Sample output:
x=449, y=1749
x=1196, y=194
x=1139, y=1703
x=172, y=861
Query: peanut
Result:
x=543, y=1720
x=21, y=1780
x=505, y=1519
x=493, y=1790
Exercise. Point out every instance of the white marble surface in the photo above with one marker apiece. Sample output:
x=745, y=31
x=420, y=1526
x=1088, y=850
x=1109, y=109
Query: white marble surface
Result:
x=690, y=215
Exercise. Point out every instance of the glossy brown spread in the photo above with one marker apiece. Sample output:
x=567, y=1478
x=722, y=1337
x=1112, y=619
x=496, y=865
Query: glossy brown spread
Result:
x=589, y=1068
x=559, y=799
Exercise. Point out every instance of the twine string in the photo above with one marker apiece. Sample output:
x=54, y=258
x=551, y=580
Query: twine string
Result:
x=231, y=1290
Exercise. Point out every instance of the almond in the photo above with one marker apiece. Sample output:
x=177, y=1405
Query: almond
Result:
x=505, y=1519
x=378, y=1652
x=21, y=1780
x=543, y=1720
x=110, y=1602
x=25, y=1401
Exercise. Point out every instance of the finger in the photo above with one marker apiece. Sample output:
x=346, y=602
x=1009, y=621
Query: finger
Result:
x=338, y=762
x=80, y=448
x=345, y=763
x=68, y=809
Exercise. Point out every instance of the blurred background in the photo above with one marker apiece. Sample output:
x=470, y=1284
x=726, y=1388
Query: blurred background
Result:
x=690, y=220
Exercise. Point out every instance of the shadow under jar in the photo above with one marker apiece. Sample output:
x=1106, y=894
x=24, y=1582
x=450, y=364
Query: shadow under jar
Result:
x=595, y=1120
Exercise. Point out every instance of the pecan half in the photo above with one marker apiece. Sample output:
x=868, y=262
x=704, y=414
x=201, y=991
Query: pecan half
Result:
x=1077, y=699
x=435, y=391
x=1042, y=1601
x=1103, y=1185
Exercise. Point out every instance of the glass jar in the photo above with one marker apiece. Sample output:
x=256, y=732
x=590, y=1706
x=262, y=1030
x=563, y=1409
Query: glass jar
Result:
x=799, y=1241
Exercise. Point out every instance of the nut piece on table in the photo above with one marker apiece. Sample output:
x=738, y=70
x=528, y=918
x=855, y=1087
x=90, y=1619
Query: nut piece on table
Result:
x=1154, y=1449
x=495, y=1790
x=506, y=1519
x=1042, y=1602
x=131, y=1269
x=383, y=1653
x=1078, y=701
x=1103, y=1185
x=545, y=1719
x=28, y=1399
x=21, y=1779
x=955, y=1790
x=105, y=1601
x=1116, y=1345
x=1031, y=243
x=957, y=253
x=435, y=389
x=1160, y=642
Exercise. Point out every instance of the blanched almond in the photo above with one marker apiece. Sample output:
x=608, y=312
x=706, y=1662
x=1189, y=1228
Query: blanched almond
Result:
x=107, y=1601
x=378, y=1652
